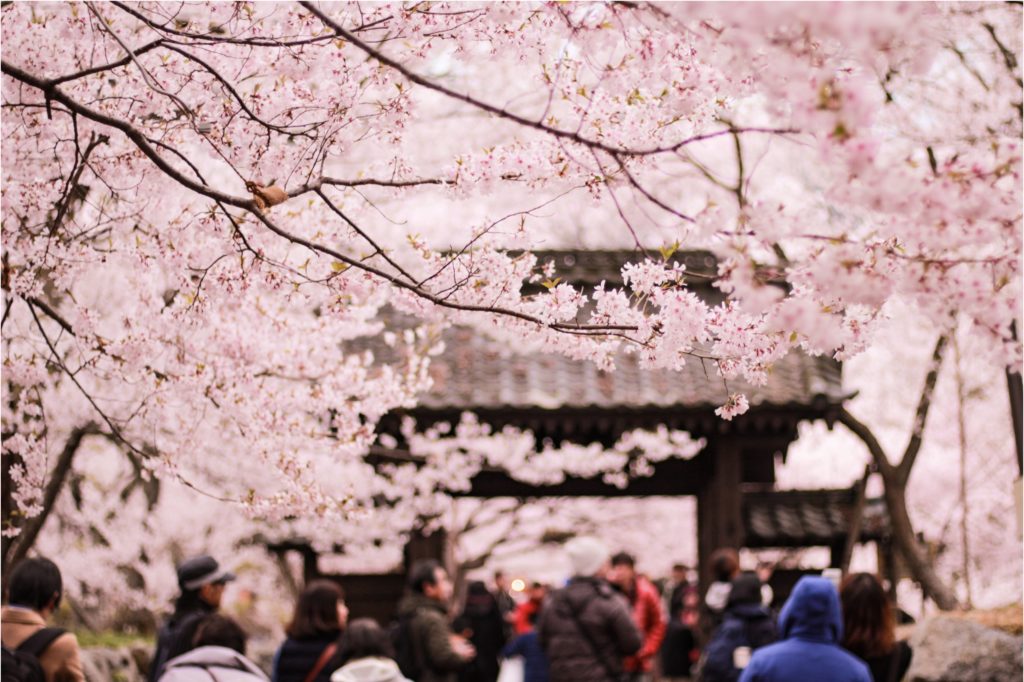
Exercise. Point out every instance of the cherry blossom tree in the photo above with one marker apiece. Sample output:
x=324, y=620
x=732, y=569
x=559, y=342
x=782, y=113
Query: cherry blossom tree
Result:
x=948, y=413
x=206, y=205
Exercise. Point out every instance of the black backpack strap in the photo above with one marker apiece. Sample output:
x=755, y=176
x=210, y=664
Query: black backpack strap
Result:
x=40, y=640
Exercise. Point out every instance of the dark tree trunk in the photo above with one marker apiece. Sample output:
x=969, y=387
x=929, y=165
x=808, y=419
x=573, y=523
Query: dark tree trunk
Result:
x=896, y=477
x=16, y=549
x=914, y=554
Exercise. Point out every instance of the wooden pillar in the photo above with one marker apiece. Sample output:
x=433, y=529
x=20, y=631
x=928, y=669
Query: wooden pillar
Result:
x=719, y=515
x=837, y=550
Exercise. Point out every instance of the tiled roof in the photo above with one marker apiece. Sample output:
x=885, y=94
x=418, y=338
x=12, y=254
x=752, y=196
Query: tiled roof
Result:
x=806, y=518
x=476, y=372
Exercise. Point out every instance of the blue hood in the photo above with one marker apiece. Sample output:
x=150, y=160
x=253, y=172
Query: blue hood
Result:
x=812, y=612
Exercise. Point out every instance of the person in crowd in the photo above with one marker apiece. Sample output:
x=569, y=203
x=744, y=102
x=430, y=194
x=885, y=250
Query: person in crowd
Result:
x=679, y=649
x=675, y=587
x=765, y=569
x=320, y=616
x=487, y=633
x=367, y=655
x=437, y=652
x=869, y=628
x=725, y=564
x=645, y=604
x=202, y=582
x=506, y=604
x=811, y=626
x=585, y=628
x=747, y=626
x=35, y=592
x=218, y=655
x=527, y=646
x=525, y=611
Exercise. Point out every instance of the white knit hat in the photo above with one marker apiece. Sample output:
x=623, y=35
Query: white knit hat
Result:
x=587, y=555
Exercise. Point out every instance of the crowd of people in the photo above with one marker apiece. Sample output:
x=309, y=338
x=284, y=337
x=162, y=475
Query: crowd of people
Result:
x=606, y=623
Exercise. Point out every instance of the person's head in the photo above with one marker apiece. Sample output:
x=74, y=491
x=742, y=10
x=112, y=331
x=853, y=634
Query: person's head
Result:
x=36, y=584
x=812, y=611
x=725, y=564
x=623, y=571
x=679, y=572
x=745, y=589
x=364, y=638
x=320, y=610
x=587, y=555
x=218, y=630
x=500, y=582
x=765, y=570
x=538, y=591
x=428, y=577
x=868, y=624
x=201, y=578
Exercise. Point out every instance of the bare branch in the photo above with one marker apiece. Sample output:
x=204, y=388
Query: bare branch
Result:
x=864, y=432
x=530, y=123
x=113, y=65
x=921, y=414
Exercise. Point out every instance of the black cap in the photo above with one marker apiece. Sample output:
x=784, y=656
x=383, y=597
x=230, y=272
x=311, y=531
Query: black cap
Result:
x=746, y=589
x=201, y=570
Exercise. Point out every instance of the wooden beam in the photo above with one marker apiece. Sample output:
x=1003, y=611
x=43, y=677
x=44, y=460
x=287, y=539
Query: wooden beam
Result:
x=671, y=477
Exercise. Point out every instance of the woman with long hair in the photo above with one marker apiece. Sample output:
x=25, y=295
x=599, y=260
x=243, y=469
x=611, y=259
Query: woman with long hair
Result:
x=313, y=633
x=869, y=628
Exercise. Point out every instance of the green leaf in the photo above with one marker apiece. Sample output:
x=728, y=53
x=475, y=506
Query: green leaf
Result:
x=668, y=251
x=551, y=283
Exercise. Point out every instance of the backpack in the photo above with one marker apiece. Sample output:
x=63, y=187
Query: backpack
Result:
x=22, y=663
x=407, y=654
x=729, y=650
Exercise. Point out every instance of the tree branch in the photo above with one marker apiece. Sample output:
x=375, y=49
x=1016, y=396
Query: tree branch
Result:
x=139, y=139
x=31, y=528
x=522, y=120
x=921, y=414
x=112, y=65
x=863, y=431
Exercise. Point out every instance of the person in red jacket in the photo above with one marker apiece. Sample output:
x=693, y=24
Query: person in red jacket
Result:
x=527, y=611
x=647, y=614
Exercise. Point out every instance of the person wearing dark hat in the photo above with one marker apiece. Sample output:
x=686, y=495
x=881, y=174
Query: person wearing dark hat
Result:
x=202, y=582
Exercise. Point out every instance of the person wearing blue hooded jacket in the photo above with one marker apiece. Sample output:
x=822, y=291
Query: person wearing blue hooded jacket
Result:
x=811, y=627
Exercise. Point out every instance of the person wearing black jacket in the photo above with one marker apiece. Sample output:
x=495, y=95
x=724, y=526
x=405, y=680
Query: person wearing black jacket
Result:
x=746, y=625
x=313, y=635
x=202, y=583
x=585, y=628
x=482, y=617
x=680, y=639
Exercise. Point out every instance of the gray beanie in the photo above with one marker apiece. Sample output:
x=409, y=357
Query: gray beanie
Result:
x=587, y=555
